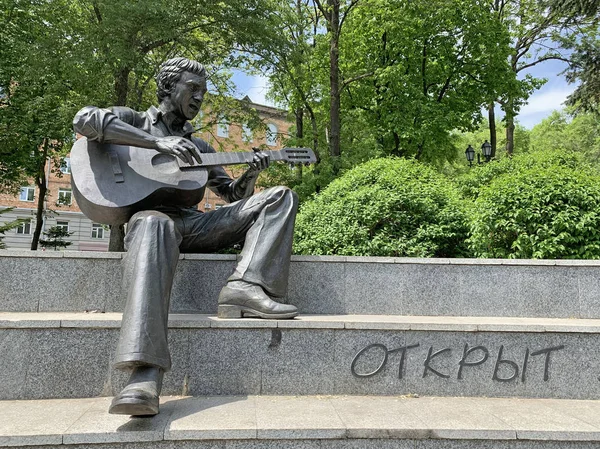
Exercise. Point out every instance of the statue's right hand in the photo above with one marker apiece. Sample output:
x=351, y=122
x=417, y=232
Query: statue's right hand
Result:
x=181, y=147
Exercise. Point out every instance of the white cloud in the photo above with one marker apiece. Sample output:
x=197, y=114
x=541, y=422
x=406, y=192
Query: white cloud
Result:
x=546, y=102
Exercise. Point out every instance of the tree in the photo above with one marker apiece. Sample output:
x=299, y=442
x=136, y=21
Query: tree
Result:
x=55, y=238
x=434, y=65
x=538, y=34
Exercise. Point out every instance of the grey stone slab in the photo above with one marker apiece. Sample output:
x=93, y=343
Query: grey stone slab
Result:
x=197, y=285
x=280, y=417
x=219, y=257
x=589, y=292
x=299, y=361
x=314, y=322
x=316, y=287
x=67, y=363
x=189, y=321
x=32, y=254
x=532, y=420
x=432, y=290
x=378, y=417
x=242, y=323
x=433, y=368
x=32, y=423
x=227, y=361
x=97, y=426
x=78, y=284
x=92, y=255
x=457, y=418
x=17, y=320
x=370, y=443
x=529, y=262
x=571, y=372
x=276, y=444
x=336, y=259
x=213, y=418
x=14, y=362
x=374, y=287
x=370, y=260
x=361, y=368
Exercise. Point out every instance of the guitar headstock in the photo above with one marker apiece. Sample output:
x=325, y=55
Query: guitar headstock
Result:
x=299, y=155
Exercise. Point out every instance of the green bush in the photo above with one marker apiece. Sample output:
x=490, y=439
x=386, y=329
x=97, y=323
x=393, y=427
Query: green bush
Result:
x=471, y=183
x=384, y=207
x=548, y=210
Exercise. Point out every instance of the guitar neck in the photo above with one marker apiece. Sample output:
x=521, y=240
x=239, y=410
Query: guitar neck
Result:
x=235, y=158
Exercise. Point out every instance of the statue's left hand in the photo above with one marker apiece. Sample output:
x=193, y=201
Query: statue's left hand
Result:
x=260, y=161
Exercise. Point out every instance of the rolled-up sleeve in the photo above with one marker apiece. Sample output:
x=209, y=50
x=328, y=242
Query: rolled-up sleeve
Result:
x=92, y=121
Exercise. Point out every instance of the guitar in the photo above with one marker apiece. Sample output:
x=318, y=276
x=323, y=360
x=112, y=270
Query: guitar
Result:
x=113, y=182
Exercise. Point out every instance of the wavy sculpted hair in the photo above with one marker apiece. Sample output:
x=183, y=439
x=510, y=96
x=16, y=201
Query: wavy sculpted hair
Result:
x=170, y=72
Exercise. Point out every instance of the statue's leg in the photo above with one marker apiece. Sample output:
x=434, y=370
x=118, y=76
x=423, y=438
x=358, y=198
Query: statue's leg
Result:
x=266, y=222
x=152, y=244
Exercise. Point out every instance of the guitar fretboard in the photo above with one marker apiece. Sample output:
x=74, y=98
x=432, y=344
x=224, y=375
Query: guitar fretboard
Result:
x=291, y=155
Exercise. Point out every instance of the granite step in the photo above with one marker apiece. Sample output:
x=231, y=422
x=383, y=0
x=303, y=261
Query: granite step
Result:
x=307, y=422
x=68, y=355
x=34, y=281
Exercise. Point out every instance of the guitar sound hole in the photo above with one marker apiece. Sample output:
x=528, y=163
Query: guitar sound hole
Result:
x=165, y=163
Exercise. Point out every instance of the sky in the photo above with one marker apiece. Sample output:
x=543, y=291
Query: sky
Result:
x=540, y=105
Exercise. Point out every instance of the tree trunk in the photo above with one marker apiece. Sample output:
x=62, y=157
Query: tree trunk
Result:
x=299, y=113
x=122, y=86
x=334, y=82
x=117, y=237
x=42, y=190
x=510, y=128
x=492, y=124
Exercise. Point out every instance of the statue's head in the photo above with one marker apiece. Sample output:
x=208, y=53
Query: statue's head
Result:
x=182, y=84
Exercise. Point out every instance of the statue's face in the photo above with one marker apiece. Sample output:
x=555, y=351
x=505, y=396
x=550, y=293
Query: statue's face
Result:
x=187, y=95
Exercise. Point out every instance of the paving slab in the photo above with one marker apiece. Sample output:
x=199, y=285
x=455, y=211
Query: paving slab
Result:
x=213, y=418
x=535, y=420
x=456, y=418
x=97, y=426
x=297, y=417
x=33, y=423
x=379, y=417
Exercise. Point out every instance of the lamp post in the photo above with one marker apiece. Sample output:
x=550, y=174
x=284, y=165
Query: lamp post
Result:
x=486, y=149
x=470, y=153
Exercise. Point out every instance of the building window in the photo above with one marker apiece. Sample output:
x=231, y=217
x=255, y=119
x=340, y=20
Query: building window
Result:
x=65, y=166
x=247, y=134
x=223, y=127
x=271, y=135
x=97, y=231
x=27, y=193
x=65, y=197
x=64, y=225
x=25, y=227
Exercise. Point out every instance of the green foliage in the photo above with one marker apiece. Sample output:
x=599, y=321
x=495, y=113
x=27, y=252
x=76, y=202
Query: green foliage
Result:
x=473, y=182
x=385, y=207
x=55, y=238
x=548, y=207
x=562, y=131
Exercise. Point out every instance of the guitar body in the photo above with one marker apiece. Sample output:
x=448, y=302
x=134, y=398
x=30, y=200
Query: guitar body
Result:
x=113, y=182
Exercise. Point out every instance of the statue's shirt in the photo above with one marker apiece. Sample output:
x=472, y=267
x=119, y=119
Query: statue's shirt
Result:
x=92, y=122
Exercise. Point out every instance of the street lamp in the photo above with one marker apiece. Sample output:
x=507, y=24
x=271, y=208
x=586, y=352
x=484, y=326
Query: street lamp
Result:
x=486, y=149
x=470, y=153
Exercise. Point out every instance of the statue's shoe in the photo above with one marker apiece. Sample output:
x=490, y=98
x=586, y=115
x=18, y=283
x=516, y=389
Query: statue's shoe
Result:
x=239, y=299
x=134, y=403
x=140, y=395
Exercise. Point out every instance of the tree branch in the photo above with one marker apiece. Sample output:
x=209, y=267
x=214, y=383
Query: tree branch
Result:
x=356, y=78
